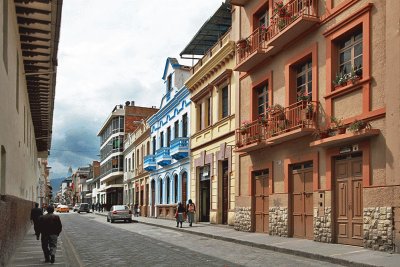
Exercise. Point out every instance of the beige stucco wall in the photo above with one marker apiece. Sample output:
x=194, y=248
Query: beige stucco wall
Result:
x=17, y=135
x=220, y=130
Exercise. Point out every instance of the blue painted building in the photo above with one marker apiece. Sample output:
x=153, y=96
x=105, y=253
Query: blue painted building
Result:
x=168, y=161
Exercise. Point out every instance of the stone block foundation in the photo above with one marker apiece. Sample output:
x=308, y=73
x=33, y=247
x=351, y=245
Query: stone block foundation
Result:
x=323, y=225
x=378, y=228
x=14, y=223
x=278, y=221
x=242, y=219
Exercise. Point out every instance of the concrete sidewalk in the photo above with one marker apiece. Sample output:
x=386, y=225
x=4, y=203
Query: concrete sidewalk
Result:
x=29, y=253
x=334, y=253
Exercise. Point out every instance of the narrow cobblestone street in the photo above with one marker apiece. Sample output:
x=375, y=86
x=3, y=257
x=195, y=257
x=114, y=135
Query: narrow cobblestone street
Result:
x=88, y=240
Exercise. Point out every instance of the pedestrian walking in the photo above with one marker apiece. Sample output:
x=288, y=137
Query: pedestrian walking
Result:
x=191, y=210
x=136, y=210
x=179, y=215
x=50, y=227
x=36, y=212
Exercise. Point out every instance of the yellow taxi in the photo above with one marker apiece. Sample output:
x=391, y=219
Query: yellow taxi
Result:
x=62, y=208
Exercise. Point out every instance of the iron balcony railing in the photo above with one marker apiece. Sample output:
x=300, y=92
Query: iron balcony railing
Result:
x=302, y=114
x=149, y=163
x=283, y=17
x=163, y=156
x=180, y=148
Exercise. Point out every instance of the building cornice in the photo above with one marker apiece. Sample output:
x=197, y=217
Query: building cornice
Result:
x=216, y=62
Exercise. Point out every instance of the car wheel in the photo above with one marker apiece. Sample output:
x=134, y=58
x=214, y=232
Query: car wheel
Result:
x=129, y=220
x=79, y=212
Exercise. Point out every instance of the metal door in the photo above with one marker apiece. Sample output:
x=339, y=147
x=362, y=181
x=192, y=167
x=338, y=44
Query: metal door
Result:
x=348, y=199
x=302, y=200
x=225, y=195
x=261, y=200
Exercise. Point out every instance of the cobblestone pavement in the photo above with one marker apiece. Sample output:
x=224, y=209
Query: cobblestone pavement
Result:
x=98, y=243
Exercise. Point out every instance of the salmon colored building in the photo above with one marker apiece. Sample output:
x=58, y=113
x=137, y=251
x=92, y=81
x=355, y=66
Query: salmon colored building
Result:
x=317, y=113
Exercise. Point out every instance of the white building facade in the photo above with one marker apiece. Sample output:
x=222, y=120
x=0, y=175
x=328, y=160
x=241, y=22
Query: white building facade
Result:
x=168, y=161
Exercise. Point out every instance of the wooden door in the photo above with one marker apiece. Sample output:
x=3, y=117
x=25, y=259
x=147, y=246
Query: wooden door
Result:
x=348, y=199
x=302, y=200
x=184, y=187
x=153, y=198
x=261, y=201
x=225, y=195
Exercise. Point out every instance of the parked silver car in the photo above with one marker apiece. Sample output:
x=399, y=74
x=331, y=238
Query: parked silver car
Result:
x=119, y=212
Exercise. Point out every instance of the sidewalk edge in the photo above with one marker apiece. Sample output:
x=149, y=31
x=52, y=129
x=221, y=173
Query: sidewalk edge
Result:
x=270, y=247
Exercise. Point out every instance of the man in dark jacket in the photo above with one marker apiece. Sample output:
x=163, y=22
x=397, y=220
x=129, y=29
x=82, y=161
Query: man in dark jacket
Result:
x=50, y=227
x=36, y=212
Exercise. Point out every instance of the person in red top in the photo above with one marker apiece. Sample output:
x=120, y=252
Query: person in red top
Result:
x=50, y=227
x=191, y=210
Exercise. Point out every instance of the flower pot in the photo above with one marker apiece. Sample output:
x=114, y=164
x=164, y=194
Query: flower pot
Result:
x=341, y=130
x=242, y=44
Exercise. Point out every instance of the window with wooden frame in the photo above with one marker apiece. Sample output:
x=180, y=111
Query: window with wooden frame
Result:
x=185, y=125
x=224, y=101
x=304, y=81
x=161, y=139
x=261, y=17
x=168, y=137
x=262, y=96
x=176, y=129
x=204, y=113
x=301, y=76
x=350, y=53
x=154, y=145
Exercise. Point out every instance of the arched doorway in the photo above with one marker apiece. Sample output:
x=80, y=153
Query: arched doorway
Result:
x=176, y=188
x=153, y=198
x=168, y=189
x=184, y=188
x=160, y=199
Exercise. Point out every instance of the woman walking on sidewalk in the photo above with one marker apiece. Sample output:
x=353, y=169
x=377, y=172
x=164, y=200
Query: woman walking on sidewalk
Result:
x=191, y=210
x=180, y=212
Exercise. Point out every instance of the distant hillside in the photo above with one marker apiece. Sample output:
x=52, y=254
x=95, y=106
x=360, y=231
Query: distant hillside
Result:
x=55, y=184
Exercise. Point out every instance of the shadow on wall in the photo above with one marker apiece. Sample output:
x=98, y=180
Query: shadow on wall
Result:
x=14, y=223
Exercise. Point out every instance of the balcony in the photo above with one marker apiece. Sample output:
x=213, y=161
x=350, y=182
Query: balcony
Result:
x=283, y=124
x=239, y=2
x=180, y=148
x=163, y=156
x=150, y=163
x=288, y=23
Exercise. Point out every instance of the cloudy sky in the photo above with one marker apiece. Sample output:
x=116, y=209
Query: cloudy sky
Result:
x=111, y=52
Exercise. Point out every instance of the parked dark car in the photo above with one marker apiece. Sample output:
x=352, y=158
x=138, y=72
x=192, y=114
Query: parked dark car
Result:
x=84, y=207
x=76, y=207
x=119, y=212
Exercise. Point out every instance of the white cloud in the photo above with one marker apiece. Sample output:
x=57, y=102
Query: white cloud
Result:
x=110, y=52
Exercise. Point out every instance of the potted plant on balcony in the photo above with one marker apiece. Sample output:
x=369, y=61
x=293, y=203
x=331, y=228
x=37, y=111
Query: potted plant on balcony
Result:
x=277, y=111
x=338, y=125
x=324, y=133
x=243, y=43
x=244, y=128
x=262, y=120
x=280, y=9
x=358, y=125
x=307, y=106
x=343, y=79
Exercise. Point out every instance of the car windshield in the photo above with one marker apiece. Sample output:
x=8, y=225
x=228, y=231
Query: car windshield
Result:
x=120, y=207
